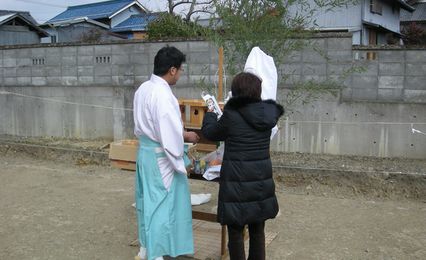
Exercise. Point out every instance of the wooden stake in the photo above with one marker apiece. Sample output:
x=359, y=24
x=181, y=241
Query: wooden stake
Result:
x=220, y=85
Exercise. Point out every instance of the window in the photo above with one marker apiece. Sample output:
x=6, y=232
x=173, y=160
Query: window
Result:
x=376, y=7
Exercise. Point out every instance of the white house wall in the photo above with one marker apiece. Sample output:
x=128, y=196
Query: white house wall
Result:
x=341, y=17
x=11, y=35
x=388, y=19
x=356, y=37
x=364, y=36
x=70, y=33
x=51, y=32
x=351, y=18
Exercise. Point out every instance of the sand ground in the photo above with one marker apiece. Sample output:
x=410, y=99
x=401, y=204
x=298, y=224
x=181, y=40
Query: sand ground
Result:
x=53, y=209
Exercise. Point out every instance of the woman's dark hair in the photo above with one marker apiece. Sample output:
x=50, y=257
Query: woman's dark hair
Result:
x=246, y=85
x=166, y=58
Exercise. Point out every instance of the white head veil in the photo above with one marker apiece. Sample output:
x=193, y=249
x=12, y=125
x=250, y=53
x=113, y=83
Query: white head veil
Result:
x=263, y=66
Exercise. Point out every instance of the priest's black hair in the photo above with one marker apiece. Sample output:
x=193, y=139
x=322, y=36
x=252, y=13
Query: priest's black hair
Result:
x=166, y=58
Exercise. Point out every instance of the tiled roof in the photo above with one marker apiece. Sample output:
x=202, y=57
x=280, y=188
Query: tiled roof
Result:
x=6, y=17
x=137, y=22
x=25, y=14
x=418, y=15
x=92, y=11
x=80, y=20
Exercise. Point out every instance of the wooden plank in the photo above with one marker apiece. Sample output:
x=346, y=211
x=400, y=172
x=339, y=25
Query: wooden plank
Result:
x=206, y=147
x=211, y=217
x=192, y=102
x=223, y=250
x=125, y=165
x=220, y=82
x=190, y=126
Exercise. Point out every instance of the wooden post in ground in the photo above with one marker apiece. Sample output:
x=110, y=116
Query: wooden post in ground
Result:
x=220, y=84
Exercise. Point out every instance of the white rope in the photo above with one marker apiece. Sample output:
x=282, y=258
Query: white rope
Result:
x=356, y=123
x=7, y=141
x=288, y=121
x=415, y=131
x=63, y=102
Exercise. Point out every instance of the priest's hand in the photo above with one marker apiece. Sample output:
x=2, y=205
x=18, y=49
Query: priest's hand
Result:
x=190, y=137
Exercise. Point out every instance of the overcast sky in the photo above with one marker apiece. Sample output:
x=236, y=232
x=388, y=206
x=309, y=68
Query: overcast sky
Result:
x=43, y=10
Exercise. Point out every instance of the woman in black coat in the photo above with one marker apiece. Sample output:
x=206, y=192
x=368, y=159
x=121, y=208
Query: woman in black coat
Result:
x=247, y=188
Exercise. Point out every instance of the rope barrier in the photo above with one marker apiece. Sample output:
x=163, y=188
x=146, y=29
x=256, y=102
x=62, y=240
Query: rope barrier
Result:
x=413, y=130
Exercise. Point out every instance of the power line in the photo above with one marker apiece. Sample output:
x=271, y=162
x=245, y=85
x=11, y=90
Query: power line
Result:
x=42, y=3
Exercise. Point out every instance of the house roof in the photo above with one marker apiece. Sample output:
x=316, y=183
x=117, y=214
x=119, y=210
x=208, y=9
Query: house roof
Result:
x=405, y=6
x=10, y=16
x=76, y=20
x=137, y=22
x=25, y=14
x=419, y=13
x=380, y=27
x=99, y=10
x=5, y=18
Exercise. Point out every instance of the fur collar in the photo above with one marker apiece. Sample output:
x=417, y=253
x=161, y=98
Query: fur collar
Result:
x=239, y=102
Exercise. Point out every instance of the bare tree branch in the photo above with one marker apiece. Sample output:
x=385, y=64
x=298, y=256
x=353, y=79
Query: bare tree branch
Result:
x=191, y=10
x=197, y=11
x=195, y=6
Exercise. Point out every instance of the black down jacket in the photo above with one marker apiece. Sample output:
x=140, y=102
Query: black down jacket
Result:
x=247, y=189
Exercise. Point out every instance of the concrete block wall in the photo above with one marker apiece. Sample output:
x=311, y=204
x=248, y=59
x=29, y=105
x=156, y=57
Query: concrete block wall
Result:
x=361, y=128
x=59, y=112
x=393, y=75
x=374, y=114
x=125, y=64
x=103, y=75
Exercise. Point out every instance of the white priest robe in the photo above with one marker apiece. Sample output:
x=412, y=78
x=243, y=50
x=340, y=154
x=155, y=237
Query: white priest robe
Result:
x=157, y=115
x=163, y=205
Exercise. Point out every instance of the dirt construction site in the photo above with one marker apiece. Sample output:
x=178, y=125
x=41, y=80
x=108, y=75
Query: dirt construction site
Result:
x=62, y=200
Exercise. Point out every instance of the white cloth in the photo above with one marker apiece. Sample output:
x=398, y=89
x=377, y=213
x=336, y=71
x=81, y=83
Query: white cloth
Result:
x=263, y=66
x=198, y=199
x=142, y=253
x=212, y=172
x=157, y=115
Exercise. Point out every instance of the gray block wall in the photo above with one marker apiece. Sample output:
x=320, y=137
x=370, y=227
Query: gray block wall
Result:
x=394, y=75
x=361, y=128
x=86, y=91
x=59, y=112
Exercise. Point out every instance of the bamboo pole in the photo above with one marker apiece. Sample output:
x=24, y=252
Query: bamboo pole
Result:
x=220, y=84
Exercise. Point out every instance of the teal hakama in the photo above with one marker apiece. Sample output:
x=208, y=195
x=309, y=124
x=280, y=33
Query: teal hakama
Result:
x=164, y=217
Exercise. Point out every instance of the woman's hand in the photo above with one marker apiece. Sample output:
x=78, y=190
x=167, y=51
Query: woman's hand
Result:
x=191, y=137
